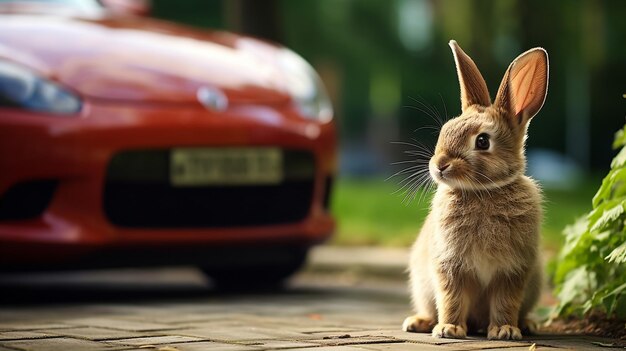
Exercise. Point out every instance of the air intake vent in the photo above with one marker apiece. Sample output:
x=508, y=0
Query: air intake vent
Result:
x=26, y=200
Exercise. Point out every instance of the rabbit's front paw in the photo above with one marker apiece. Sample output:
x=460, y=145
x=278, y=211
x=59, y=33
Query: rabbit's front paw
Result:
x=504, y=332
x=417, y=324
x=449, y=331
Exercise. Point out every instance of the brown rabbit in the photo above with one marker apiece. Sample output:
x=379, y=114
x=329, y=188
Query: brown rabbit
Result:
x=475, y=263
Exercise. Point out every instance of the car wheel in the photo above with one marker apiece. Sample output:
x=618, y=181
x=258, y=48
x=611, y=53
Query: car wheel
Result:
x=250, y=276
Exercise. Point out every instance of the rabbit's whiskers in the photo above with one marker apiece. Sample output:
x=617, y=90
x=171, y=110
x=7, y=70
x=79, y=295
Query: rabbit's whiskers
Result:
x=429, y=110
x=411, y=180
x=417, y=178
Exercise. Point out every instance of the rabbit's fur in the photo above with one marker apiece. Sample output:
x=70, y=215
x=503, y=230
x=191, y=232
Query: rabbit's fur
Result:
x=476, y=263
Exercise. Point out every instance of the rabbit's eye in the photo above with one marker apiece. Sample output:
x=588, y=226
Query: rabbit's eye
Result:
x=482, y=141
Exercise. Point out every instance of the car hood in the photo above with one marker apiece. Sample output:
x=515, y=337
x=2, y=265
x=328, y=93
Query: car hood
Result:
x=144, y=60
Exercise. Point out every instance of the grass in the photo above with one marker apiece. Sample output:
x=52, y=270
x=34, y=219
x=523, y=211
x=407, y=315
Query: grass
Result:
x=370, y=214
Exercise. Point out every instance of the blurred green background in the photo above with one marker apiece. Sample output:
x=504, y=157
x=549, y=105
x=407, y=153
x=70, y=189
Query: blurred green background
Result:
x=385, y=62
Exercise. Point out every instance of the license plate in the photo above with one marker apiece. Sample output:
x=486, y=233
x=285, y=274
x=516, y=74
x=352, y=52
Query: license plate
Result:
x=225, y=166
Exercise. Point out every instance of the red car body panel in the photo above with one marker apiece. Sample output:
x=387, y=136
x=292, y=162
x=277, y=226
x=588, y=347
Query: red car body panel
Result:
x=143, y=60
x=138, y=81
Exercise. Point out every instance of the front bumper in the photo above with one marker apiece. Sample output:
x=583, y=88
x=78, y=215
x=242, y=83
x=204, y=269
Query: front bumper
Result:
x=73, y=154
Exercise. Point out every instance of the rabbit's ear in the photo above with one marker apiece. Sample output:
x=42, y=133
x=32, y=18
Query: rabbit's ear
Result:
x=525, y=85
x=473, y=87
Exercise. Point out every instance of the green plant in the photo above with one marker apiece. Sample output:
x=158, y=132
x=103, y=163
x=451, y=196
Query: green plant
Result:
x=590, y=272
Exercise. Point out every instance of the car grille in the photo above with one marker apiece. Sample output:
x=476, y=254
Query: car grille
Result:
x=137, y=193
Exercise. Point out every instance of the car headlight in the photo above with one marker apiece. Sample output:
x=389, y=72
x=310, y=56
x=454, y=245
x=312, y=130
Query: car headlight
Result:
x=22, y=88
x=305, y=87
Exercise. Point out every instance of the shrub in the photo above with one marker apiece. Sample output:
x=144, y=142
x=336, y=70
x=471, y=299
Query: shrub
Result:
x=590, y=272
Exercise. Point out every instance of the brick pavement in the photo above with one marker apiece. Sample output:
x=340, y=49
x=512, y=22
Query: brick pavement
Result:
x=174, y=309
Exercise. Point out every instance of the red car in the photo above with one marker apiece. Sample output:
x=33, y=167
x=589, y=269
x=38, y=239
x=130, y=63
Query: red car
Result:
x=128, y=141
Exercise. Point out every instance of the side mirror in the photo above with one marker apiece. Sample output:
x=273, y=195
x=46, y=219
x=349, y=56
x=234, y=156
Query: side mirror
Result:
x=128, y=7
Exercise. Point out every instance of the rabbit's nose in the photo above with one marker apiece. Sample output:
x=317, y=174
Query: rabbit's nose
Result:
x=443, y=167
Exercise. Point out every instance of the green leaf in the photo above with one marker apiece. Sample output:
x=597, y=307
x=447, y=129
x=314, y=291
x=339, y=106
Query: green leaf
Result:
x=612, y=185
x=609, y=304
x=574, y=286
x=618, y=255
x=590, y=272
x=617, y=290
x=620, y=159
x=604, y=191
x=573, y=234
x=606, y=214
x=620, y=138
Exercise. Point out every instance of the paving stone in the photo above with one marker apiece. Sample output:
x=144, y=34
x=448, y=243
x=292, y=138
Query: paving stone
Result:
x=17, y=335
x=526, y=348
x=154, y=340
x=35, y=325
x=241, y=333
x=334, y=348
x=2, y=348
x=409, y=346
x=348, y=340
x=324, y=330
x=120, y=324
x=58, y=344
x=282, y=344
x=194, y=319
x=201, y=346
x=425, y=338
x=95, y=333
x=298, y=319
x=242, y=322
x=221, y=324
x=488, y=344
x=572, y=342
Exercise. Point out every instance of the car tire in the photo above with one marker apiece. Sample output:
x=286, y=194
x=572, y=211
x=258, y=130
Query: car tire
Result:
x=256, y=276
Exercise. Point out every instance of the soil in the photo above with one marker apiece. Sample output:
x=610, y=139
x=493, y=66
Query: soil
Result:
x=596, y=325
